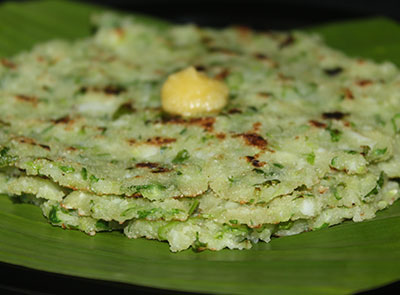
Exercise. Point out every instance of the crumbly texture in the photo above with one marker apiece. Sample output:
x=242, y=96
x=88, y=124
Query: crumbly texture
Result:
x=308, y=138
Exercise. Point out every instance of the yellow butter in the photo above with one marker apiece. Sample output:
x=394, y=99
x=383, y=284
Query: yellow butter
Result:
x=191, y=93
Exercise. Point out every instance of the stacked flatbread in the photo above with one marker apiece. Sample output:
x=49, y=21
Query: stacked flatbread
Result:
x=308, y=139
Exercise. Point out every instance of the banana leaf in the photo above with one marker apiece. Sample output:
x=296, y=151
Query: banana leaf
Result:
x=343, y=259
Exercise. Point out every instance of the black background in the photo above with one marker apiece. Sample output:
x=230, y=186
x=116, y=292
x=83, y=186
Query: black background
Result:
x=284, y=14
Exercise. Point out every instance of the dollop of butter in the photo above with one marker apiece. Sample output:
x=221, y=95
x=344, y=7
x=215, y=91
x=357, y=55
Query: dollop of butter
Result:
x=192, y=93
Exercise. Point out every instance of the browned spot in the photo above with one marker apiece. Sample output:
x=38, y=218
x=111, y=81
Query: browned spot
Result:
x=63, y=120
x=264, y=94
x=222, y=50
x=8, y=64
x=31, y=141
x=254, y=161
x=223, y=74
x=256, y=126
x=149, y=165
x=284, y=77
x=207, y=40
x=255, y=226
x=361, y=61
x=205, y=122
x=135, y=195
x=243, y=31
x=220, y=135
x=160, y=140
x=200, y=68
x=131, y=141
x=160, y=170
x=289, y=40
x=348, y=94
x=364, y=82
x=113, y=89
x=260, y=56
x=253, y=139
x=347, y=123
x=25, y=98
x=322, y=189
x=296, y=137
x=71, y=149
x=234, y=111
x=334, y=115
x=317, y=124
x=242, y=202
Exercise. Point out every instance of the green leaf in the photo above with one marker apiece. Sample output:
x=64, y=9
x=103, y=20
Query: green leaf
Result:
x=180, y=157
x=341, y=259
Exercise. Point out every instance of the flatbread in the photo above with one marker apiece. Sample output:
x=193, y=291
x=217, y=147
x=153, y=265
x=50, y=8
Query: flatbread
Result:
x=308, y=139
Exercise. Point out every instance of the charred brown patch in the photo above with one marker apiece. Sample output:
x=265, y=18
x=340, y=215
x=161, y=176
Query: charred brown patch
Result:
x=8, y=64
x=207, y=40
x=261, y=56
x=253, y=139
x=222, y=50
x=289, y=40
x=200, y=68
x=131, y=141
x=207, y=123
x=135, y=195
x=221, y=135
x=253, y=161
x=160, y=140
x=161, y=170
x=234, y=111
x=71, y=149
x=333, y=71
x=348, y=94
x=26, y=98
x=114, y=89
x=364, y=82
x=264, y=94
x=317, y=124
x=256, y=126
x=223, y=74
x=334, y=115
x=31, y=141
x=149, y=165
x=63, y=120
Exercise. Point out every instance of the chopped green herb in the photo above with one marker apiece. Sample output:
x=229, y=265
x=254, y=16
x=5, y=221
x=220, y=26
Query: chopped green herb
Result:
x=325, y=225
x=5, y=158
x=379, y=120
x=145, y=213
x=93, y=178
x=379, y=152
x=197, y=245
x=53, y=215
x=233, y=221
x=194, y=206
x=334, y=161
x=84, y=173
x=123, y=109
x=67, y=169
x=183, y=131
x=182, y=156
x=310, y=158
x=280, y=166
x=351, y=152
x=396, y=124
x=103, y=225
x=285, y=225
x=335, y=134
x=378, y=186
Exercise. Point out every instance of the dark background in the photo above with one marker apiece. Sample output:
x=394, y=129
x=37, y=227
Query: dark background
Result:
x=259, y=14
